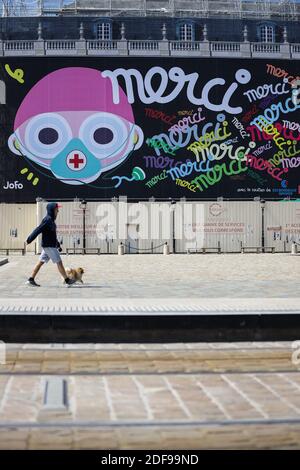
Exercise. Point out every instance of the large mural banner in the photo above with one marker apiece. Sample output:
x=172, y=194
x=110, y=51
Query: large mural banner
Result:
x=149, y=127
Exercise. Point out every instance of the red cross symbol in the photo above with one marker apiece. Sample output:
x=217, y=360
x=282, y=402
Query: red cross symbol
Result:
x=76, y=160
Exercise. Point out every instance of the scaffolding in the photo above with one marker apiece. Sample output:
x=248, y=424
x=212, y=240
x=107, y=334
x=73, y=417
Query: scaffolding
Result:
x=285, y=9
x=20, y=8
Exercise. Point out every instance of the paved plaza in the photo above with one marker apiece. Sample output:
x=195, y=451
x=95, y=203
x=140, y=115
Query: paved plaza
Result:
x=158, y=276
x=152, y=396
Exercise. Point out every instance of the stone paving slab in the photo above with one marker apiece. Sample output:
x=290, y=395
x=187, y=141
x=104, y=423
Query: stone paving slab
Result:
x=158, y=276
x=154, y=400
x=155, y=437
x=187, y=358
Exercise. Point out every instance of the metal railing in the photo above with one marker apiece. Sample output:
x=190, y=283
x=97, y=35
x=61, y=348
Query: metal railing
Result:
x=143, y=45
x=19, y=45
x=265, y=48
x=61, y=45
x=225, y=46
x=185, y=45
x=97, y=45
x=295, y=48
x=148, y=47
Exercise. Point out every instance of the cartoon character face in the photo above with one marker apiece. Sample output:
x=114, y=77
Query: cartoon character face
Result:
x=69, y=124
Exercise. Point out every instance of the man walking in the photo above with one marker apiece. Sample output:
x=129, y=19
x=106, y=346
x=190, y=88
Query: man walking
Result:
x=50, y=245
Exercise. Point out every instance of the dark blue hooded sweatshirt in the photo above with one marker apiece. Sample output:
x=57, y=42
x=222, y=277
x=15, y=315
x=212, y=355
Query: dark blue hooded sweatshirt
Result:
x=47, y=228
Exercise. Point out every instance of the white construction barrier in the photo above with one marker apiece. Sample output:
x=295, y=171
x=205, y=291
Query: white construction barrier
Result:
x=282, y=224
x=17, y=222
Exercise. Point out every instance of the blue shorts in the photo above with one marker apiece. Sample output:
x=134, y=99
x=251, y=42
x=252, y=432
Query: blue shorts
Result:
x=50, y=253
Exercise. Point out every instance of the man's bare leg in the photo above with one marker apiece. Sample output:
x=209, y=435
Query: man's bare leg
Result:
x=36, y=269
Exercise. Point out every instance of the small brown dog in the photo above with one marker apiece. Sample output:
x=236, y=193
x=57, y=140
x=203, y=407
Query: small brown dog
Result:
x=75, y=274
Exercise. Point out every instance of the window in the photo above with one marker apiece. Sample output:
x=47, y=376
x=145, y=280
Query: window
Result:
x=186, y=32
x=104, y=31
x=267, y=33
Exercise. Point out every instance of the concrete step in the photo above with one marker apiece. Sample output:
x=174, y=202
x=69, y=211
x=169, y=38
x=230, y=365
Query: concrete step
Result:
x=149, y=320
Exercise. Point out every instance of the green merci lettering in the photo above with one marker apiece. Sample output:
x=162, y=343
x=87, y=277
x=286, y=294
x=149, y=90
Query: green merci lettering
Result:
x=18, y=74
x=160, y=144
x=214, y=175
x=186, y=184
x=155, y=179
x=209, y=137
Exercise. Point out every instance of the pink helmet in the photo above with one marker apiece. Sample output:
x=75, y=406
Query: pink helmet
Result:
x=72, y=89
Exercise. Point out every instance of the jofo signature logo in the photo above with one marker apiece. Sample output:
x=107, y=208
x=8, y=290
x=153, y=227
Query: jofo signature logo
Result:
x=13, y=185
